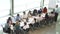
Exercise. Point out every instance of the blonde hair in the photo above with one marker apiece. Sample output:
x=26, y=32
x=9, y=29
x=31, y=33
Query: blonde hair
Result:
x=17, y=23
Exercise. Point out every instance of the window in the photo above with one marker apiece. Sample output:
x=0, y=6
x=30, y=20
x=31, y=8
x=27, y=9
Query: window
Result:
x=21, y=5
x=52, y=4
x=46, y=3
x=4, y=11
x=4, y=7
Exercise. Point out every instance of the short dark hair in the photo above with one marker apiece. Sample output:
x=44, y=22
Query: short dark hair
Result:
x=56, y=6
x=25, y=23
x=24, y=12
x=9, y=19
x=52, y=12
x=17, y=14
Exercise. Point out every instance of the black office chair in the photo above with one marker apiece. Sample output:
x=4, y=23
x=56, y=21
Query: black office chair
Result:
x=6, y=30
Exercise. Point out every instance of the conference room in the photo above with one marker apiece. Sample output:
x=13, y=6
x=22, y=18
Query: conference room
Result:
x=29, y=17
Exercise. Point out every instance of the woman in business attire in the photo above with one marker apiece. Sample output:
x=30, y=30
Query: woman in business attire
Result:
x=7, y=25
x=44, y=10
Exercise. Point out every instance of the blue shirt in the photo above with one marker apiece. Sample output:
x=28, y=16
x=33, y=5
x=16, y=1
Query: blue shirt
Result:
x=18, y=18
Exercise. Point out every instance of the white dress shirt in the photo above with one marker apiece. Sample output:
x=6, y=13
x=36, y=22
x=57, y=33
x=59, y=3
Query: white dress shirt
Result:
x=24, y=16
x=11, y=27
x=21, y=24
x=24, y=20
x=26, y=27
x=40, y=19
x=51, y=15
x=31, y=21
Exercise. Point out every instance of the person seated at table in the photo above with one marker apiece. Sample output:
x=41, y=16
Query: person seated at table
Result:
x=35, y=12
x=56, y=14
x=46, y=18
x=44, y=10
x=39, y=18
x=40, y=11
x=26, y=27
x=21, y=24
x=9, y=21
x=17, y=27
x=29, y=13
x=7, y=25
x=52, y=16
x=39, y=15
x=36, y=23
x=24, y=16
x=18, y=17
x=30, y=21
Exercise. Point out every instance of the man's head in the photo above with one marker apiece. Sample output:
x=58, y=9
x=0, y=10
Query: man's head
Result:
x=17, y=14
x=24, y=12
x=56, y=6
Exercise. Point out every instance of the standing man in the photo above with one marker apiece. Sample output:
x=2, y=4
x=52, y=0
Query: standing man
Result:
x=56, y=13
